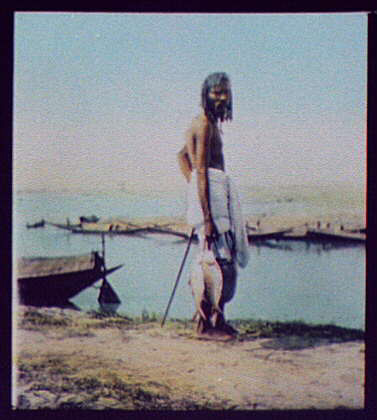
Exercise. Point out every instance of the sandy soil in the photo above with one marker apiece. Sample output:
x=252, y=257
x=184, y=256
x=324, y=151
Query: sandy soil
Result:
x=256, y=373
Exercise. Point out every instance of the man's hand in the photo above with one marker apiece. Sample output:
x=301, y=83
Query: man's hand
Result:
x=211, y=232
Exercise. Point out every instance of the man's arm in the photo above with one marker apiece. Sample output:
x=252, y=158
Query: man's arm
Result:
x=184, y=163
x=202, y=149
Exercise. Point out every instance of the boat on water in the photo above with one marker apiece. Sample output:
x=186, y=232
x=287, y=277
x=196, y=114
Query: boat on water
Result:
x=336, y=236
x=257, y=235
x=254, y=233
x=113, y=229
x=49, y=280
x=36, y=225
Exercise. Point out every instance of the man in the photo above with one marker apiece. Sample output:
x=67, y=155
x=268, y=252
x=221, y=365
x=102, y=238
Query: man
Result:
x=214, y=208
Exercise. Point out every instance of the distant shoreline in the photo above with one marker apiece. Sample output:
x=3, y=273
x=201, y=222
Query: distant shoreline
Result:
x=271, y=208
x=253, y=188
x=332, y=197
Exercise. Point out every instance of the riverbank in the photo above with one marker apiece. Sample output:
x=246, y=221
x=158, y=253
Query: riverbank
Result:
x=72, y=359
x=267, y=209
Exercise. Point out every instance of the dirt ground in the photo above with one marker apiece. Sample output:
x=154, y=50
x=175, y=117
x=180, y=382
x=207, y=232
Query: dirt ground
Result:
x=67, y=360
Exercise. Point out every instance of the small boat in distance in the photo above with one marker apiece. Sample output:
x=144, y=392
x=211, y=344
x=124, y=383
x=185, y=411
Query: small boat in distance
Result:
x=322, y=234
x=49, y=280
x=36, y=225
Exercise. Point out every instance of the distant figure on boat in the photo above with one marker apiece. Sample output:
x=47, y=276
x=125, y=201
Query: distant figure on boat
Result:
x=90, y=219
x=213, y=209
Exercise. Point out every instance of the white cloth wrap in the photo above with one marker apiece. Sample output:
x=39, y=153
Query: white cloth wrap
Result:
x=225, y=209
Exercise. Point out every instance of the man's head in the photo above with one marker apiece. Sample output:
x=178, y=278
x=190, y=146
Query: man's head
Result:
x=217, y=97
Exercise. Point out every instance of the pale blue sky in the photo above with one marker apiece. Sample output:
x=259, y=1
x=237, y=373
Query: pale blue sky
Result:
x=103, y=99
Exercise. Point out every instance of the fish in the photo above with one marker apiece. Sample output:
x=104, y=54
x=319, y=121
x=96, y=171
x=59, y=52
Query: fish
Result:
x=207, y=282
x=197, y=287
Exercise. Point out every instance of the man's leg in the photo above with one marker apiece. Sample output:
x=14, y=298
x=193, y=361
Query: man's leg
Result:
x=215, y=320
x=229, y=274
x=204, y=325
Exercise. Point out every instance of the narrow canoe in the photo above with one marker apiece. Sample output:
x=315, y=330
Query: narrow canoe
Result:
x=57, y=279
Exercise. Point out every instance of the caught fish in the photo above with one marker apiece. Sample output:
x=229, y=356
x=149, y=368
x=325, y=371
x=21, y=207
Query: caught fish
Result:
x=197, y=286
x=207, y=282
x=213, y=280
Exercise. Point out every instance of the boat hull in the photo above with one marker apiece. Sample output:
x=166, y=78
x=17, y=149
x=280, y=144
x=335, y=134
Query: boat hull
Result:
x=55, y=288
x=50, y=280
x=340, y=236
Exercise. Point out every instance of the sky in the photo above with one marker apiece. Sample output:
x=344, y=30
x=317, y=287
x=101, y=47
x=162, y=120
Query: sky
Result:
x=103, y=100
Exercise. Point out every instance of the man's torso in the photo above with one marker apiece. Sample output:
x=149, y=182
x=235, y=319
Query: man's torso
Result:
x=213, y=140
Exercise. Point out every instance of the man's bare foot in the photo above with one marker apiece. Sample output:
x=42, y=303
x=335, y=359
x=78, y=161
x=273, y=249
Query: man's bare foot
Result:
x=229, y=329
x=216, y=334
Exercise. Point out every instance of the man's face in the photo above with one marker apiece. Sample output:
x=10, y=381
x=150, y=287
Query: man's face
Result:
x=218, y=98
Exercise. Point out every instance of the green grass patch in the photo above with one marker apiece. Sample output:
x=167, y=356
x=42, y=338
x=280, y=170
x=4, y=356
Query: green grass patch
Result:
x=267, y=329
x=71, y=325
x=34, y=320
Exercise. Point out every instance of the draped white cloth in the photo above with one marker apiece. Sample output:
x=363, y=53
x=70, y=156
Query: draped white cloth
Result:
x=225, y=208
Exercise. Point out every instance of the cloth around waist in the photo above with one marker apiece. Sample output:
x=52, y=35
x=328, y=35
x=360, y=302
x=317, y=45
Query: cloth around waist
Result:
x=219, y=200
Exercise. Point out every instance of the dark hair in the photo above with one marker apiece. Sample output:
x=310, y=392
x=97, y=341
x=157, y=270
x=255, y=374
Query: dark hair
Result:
x=212, y=80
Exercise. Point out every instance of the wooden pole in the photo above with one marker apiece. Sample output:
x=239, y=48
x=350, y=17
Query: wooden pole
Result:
x=178, y=277
x=105, y=283
x=103, y=248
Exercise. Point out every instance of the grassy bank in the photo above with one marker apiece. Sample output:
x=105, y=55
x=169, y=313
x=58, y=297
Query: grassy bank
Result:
x=72, y=324
x=76, y=375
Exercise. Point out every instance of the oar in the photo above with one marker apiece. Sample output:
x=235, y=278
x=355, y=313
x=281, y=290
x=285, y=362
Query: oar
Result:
x=106, y=286
x=178, y=277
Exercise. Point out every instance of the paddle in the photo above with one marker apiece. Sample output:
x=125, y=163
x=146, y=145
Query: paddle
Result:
x=107, y=293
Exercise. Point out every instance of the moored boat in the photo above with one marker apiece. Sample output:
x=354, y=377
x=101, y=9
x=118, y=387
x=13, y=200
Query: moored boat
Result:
x=36, y=225
x=46, y=280
x=336, y=236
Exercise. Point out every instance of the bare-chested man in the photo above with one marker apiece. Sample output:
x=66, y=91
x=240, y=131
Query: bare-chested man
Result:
x=202, y=163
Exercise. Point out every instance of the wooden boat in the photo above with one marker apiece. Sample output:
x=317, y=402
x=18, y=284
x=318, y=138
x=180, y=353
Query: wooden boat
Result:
x=57, y=279
x=257, y=235
x=36, y=225
x=128, y=231
x=67, y=226
x=336, y=236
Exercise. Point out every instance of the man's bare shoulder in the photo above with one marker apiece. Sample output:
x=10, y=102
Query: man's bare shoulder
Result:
x=199, y=122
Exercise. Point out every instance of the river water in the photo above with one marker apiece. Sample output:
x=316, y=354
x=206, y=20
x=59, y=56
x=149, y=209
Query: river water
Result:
x=284, y=280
